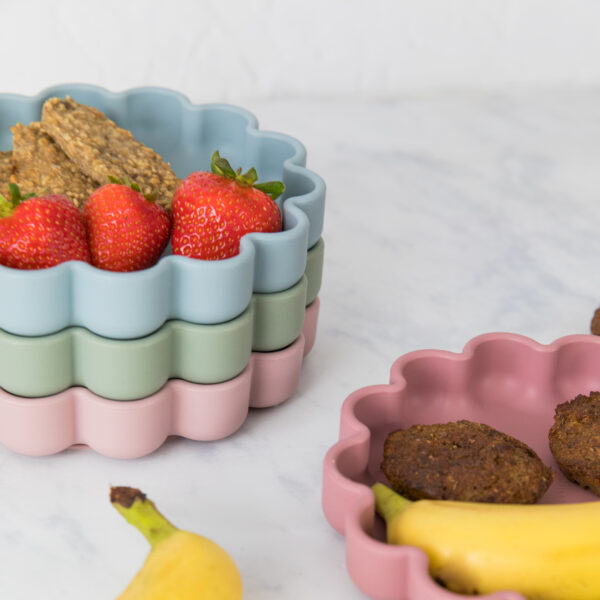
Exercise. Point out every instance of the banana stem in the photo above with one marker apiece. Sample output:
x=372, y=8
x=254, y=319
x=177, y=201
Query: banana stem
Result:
x=388, y=503
x=141, y=513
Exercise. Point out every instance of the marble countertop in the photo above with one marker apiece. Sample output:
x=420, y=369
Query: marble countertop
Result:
x=446, y=217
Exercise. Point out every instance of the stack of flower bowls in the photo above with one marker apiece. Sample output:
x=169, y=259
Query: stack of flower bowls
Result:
x=121, y=361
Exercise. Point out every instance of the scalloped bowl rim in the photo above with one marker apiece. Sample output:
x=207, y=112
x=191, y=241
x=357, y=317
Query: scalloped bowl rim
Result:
x=361, y=508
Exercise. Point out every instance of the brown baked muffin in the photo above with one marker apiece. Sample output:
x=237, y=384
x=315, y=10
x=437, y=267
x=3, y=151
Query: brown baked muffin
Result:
x=595, y=324
x=575, y=440
x=463, y=461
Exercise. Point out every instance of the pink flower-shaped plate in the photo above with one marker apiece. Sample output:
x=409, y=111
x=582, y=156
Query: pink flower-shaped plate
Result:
x=508, y=381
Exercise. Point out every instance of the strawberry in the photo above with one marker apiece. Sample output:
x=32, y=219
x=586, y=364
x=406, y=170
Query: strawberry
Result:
x=126, y=230
x=212, y=211
x=37, y=232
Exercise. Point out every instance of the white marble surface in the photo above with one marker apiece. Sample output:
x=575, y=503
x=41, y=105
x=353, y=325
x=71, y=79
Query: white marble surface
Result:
x=446, y=217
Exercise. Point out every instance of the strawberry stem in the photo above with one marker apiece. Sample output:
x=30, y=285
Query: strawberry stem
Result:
x=16, y=197
x=271, y=188
x=221, y=166
x=7, y=207
x=151, y=197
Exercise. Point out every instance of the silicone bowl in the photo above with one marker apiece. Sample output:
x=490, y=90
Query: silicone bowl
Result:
x=507, y=381
x=132, y=369
x=117, y=305
x=43, y=426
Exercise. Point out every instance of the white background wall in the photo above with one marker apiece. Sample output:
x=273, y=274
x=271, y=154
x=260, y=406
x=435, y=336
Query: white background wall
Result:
x=258, y=49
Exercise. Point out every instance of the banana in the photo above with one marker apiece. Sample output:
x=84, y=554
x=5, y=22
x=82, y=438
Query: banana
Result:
x=545, y=552
x=181, y=565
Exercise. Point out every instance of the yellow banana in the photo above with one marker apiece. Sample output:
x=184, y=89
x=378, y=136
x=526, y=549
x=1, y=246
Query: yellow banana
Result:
x=545, y=552
x=181, y=565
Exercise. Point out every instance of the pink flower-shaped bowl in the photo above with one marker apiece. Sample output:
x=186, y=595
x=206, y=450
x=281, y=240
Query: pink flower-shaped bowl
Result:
x=507, y=381
x=135, y=428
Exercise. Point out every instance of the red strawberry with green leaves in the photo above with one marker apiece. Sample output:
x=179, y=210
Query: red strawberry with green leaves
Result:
x=37, y=232
x=126, y=230
x=212, y=211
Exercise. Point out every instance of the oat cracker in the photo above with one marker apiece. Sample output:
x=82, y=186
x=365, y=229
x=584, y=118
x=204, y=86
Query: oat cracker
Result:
x=41, y=167
x=101, y=149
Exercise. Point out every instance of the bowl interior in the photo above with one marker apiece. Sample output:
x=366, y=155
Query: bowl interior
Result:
x=507, y=385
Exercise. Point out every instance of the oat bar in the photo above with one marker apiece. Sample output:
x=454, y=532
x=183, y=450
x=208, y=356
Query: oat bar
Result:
x=5, y=171
x=101, y=149
x=40, y=166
